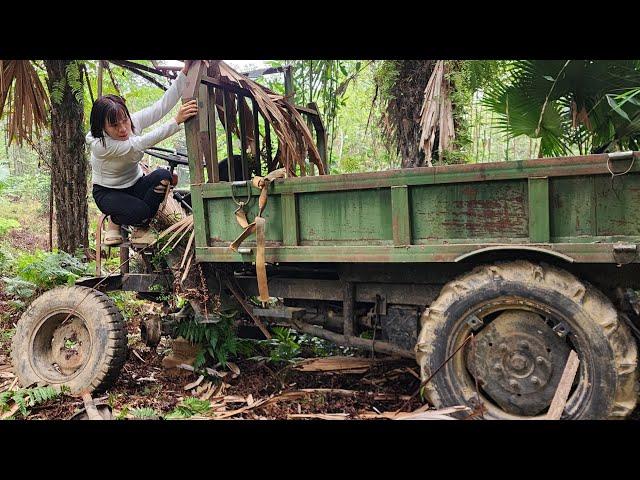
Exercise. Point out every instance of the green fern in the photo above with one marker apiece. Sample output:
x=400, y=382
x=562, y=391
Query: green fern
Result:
x=74, y=79
x=48, y=269
x=189, y=407
x=19, y=288
x=7, y=224
x=4, y=399
x=57, y=91
x=42, y=394
x=143, y=412
x=218, y=340
x=29, y=397
x=123, y=413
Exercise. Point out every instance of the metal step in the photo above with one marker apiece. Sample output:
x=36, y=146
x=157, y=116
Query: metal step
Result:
x=280, y=312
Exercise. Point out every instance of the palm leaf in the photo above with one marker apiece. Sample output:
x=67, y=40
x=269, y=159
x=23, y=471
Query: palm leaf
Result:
x=294, y=137
x=23, y=98
x=574, y=102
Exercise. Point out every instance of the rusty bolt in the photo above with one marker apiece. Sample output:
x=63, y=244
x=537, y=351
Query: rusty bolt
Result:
x=497, y=367
x=503, y=347
x=535, y=380
x=523, y=345
x=541, y=361
x=513, y=384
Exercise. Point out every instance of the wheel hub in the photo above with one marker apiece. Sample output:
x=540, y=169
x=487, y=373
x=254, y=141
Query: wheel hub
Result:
x=518, y=361
x=70, y=345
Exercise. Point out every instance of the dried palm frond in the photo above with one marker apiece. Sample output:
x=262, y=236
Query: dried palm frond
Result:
x=295, y=139
x=233, y=112
x=436, y=113
x=24, y=99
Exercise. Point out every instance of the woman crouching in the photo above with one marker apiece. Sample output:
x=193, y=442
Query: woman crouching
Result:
x=121, y=189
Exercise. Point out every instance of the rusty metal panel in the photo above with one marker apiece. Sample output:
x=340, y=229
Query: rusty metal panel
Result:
x=345, y=218
x=470, y=211
x=617, y=201
x=617, y=205
x=572, y=206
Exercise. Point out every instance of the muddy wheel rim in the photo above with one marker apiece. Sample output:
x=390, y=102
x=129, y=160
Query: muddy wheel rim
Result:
x=60, y=347
x=511, y=381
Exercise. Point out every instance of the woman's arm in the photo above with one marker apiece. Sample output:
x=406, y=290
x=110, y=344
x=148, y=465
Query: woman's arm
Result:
x=119, y=148
x=150, y=115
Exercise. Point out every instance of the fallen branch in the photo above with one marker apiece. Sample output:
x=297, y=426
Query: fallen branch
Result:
x=356, y=393
x=339, y=364
x=419, y=414
x=320, y=416
x=247, y=309
x=90, y=407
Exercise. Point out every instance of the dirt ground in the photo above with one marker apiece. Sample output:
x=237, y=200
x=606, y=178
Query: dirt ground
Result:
x=285, y=392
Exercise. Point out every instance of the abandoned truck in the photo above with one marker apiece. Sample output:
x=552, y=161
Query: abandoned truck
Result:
x=489, y=275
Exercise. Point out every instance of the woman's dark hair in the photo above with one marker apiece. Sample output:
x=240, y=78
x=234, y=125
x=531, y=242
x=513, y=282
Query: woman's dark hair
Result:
x=108, y=108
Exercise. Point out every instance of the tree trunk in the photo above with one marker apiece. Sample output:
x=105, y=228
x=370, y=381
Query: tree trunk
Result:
x=404, y=106
x=68, y=162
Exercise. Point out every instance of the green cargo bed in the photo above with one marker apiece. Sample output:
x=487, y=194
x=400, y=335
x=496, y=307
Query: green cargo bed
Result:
x=570, y=207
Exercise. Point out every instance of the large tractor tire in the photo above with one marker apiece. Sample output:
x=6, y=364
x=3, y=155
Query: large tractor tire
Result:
x=84, y=352
x=525, y=319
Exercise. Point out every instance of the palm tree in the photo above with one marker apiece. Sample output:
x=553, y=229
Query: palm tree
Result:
x=402, y=84
x=29, y=109
x=583, y=105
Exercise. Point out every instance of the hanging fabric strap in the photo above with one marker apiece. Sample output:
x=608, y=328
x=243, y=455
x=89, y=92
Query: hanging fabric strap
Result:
x=257, y=227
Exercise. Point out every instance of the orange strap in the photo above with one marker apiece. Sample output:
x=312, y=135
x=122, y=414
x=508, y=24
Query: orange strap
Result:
x=257, y=226
x=261, y=266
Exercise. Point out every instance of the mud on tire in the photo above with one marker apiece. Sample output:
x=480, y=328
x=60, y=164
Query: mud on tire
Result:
x=606, y=380
x=86, y=352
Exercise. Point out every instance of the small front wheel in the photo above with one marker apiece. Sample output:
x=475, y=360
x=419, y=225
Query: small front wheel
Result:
x=72, y=336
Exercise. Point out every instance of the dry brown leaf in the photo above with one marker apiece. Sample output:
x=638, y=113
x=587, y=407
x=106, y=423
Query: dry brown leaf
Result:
x=295, y=139
x=138, y=355
x=234, y=368
x=11, y=412
x=436, y=113
x=23, y=99
x=320, y=416
x=205, y=389
x=235, y=399
x=191, y=385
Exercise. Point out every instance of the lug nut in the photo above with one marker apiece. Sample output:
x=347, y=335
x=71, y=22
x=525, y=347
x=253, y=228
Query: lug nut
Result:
x=513, y=384
x=503, y=347
x=542, y=361
x=535, y=380
x=523, y=345
x=497, y=367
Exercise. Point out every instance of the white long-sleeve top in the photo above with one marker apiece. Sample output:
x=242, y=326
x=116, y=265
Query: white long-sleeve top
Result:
x=116, y=163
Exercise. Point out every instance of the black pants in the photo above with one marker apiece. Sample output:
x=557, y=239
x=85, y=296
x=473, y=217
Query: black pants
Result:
x=135, y=205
